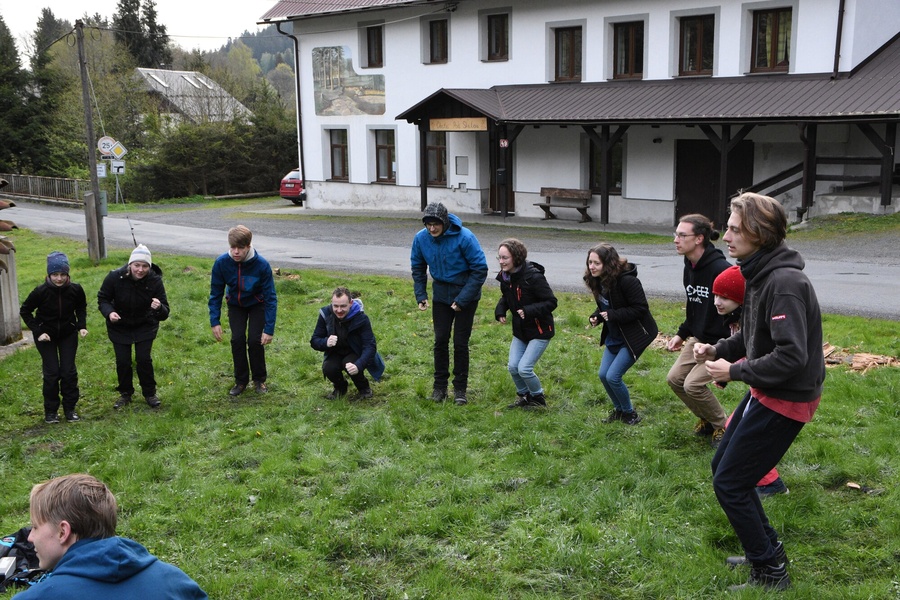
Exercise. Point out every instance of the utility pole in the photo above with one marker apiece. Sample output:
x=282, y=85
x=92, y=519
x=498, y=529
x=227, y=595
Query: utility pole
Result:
x=92, y=218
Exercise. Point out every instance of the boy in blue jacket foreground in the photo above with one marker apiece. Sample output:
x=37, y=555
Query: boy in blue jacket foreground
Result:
x=74, y=533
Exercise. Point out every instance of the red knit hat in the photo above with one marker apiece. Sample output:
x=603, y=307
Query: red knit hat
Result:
x=730, y=284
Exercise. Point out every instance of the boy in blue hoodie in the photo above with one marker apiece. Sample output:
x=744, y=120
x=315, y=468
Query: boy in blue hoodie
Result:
x=245, y=278
x=458, y=269
x=74, y=534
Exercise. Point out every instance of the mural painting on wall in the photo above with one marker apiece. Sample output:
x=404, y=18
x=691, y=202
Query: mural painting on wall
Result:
x=339, y=90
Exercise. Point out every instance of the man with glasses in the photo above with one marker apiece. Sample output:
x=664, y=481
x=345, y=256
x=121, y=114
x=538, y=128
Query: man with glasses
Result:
x=702, y=324
x=458, y=267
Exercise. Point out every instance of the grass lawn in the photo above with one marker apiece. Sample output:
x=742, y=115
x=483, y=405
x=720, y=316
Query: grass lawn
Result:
x=289, y=495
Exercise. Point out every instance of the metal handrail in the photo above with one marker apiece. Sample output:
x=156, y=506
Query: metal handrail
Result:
x=56, y=188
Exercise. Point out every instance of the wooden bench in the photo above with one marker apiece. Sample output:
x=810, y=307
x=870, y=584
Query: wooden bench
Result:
x=584, y=196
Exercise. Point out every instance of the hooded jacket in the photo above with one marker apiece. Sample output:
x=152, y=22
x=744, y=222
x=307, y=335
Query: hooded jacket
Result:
x=527, y=289
x=781, y=329
x=359, y=334
x=112, y=569
x=243, y=284
x=701, y=319
x=629, y=310
x=131, y=298
x=58, y=311
x=456, y=262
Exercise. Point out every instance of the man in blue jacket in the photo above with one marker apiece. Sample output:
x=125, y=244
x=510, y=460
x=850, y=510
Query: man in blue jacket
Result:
x=74, y=534
x=458, y=269
x=252, y=305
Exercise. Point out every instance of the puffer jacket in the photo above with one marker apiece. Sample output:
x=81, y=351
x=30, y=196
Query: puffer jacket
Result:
x=629, y=310
x=131, y=298
x=360, y=337
x=57, y=311
x=527, y=289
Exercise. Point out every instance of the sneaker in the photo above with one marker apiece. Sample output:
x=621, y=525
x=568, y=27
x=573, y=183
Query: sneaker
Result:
x=738, y=561
x=123, y=400
x=51, y=418
x=439, y=394
x=366, y=394
x=535, y=402
x=703, y=428
x=614, y=415
x=237, y=390
x=335, y=394
x=71, y=416
x=459, y=397
x=152, y=401
x=631, y=418
x=260, y=387
x=765, y=576
x=521, y=401
x=716, y=438
x=776, y=487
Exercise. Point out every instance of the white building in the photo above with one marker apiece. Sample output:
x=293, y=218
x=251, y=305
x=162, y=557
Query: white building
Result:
x=481, y=104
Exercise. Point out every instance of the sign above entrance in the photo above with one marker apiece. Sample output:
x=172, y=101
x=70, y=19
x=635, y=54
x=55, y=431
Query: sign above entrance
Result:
x=458, y=124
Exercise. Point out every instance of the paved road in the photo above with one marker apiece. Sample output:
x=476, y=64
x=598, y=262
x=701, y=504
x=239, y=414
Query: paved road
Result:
x=868, y=285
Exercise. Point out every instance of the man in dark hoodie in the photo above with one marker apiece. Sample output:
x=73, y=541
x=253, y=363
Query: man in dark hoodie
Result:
x=74, y=534
x=689, y=380
x=458, y=267
x=781, y=337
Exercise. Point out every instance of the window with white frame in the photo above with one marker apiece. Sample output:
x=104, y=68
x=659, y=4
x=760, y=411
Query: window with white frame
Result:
x=771, y=40
x=385, y=157
x=339, y=155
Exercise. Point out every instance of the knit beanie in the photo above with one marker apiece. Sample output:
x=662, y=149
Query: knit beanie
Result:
x=140, y=254
x=730, y=284
x=437, y=212
x=57, y=262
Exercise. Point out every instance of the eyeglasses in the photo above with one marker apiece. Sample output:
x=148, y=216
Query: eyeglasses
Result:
x=432, y=225
x=504, y=258
x=681, y=236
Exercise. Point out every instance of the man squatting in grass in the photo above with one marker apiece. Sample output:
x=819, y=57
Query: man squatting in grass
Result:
x=703, y=262
x=56, y=314
x=73, y=521
x=781, y=338
x=344, y=334
x=246, y=280
x=453, y=256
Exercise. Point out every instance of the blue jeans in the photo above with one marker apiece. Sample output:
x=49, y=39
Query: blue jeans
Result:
x=522, y=356
x=615, y=362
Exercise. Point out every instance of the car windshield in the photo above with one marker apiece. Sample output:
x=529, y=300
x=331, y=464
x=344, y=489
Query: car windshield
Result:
x=293, y=175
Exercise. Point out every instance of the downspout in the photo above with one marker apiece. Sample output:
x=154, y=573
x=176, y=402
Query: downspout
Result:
x=300, y=153
x=838, y=38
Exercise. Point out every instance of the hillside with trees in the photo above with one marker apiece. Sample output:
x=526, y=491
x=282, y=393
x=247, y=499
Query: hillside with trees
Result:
x=42, y=123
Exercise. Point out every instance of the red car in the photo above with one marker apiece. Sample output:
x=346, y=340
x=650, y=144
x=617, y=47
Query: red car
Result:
x=292, y=188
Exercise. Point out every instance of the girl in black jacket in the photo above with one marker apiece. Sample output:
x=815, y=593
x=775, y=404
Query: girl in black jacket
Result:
x=628, y=326
x=527, y=296
x=55, y=312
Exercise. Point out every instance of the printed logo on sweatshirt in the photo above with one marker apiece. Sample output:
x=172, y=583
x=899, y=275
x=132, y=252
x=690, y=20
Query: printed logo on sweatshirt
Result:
x=697, y=293
x=779, y=317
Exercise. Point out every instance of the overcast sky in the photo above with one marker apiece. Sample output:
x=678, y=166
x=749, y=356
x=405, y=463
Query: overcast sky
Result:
x=204, y=24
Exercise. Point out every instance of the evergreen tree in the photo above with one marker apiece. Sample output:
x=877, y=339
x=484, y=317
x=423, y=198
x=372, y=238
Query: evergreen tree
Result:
x=127, y=24
x=13, y=110
x=155, y=51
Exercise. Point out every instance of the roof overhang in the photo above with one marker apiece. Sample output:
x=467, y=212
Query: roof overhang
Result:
x=288, y=10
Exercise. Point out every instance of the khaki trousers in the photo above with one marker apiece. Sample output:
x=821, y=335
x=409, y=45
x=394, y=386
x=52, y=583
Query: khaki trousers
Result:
x=690, y=382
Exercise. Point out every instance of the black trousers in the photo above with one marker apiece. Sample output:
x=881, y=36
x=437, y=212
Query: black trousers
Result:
x=447, y=320
x=247, y=352
x=144, y=364
x=754, y=442
x=59, y=372
x=333, y=369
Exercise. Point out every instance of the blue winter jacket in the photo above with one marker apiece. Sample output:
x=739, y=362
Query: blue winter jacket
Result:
x=112, y=569
x=456, y=262
x=248, y=283
x=360, y=337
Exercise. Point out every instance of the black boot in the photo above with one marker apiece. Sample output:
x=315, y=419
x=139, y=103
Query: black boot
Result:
x=536, y=401
x=738, y=561
x=521, y=400
x=770, y=577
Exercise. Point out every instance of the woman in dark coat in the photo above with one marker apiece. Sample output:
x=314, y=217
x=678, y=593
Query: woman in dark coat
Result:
x=628, y=326
x=527, y=296
x=55, y=312
x=133, y=301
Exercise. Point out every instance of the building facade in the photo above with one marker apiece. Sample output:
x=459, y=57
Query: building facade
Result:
x=658, y=108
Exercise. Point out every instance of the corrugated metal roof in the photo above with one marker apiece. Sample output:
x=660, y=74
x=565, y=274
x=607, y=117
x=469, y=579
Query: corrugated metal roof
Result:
x=873, y=91
x=193, y=94
x=287, y=9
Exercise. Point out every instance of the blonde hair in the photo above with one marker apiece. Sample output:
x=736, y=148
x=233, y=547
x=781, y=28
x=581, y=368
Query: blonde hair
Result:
x=239, y=237
x=81, y=500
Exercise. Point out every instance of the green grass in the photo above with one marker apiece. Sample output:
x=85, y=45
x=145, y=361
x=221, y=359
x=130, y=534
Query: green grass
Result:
x=847, y=224
x=288, y=495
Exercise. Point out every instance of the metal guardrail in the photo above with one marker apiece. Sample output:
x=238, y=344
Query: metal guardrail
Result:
x=56, y=188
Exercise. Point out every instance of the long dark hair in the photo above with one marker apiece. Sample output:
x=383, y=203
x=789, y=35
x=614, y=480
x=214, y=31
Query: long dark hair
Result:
x=613, y=266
